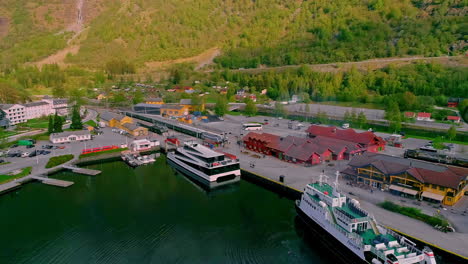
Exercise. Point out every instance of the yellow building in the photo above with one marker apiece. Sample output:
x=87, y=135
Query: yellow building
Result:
x=115, y=120
x=417, y=179
x=135, y=130
x=158, y=101
x=190, y=106
x=174, y=110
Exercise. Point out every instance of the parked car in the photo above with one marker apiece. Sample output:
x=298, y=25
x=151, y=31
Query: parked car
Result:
x=47, y=147
x=30, y=146
x=25, y=154
x=345, y=125
x=61, y=147
x=33, y=154
x=14, y=146
x=2, y=161
x=45, y=152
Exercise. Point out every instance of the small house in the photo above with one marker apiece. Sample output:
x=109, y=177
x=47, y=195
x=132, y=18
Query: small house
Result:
x=410, y=114
x=423, y=116
x=455, y=119
x=70, y=136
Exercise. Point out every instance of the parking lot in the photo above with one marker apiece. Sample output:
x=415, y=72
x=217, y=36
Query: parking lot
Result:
x=38, y=162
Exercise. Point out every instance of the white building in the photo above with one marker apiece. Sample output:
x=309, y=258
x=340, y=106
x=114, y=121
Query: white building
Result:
x=38, y=109
x=70, y=136
x=143, y=144
x=14, y=112
x=59, y=106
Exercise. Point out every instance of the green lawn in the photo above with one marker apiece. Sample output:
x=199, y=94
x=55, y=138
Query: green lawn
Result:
x=91, y=123
x=4, y=178
x=5, y=134
x=101, y=153
x=432, y=139
x=42, y=122
x=58, y=160
x=415, y=213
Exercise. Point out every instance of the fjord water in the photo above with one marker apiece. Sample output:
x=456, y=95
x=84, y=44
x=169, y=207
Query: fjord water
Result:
x=150, y=215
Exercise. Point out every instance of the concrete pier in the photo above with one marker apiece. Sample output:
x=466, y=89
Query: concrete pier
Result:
x=9, y=186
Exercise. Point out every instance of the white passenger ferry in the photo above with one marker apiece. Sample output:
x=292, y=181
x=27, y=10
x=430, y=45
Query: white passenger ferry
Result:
x=205, y=165
x=355, y=231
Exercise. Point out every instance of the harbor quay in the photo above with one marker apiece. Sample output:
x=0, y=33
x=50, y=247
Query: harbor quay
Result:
x=298, y=176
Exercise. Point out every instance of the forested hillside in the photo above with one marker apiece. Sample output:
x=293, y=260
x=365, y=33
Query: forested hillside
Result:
x=250, y=33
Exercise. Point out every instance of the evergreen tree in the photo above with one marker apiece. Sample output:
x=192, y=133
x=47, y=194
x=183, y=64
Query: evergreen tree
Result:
x=221, y=106
x=250, y=107
x=76, y=118
x=58, y=123
x=279, y=109
x=51, y=126
x=307, y=110
x=361, y=119
x=452, y=133
x=347, y=117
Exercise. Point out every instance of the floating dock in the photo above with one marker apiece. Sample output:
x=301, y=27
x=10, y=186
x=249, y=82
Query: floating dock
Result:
x=82, y=170
x=53, y=182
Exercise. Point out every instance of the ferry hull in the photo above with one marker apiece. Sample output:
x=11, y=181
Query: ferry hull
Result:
x=197, y=177
x=341, y=251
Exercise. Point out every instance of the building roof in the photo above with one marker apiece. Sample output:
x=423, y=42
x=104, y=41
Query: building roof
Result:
x=69, y=133
x=6, y=106
x=303, y=148
x=410, y=114
x=148, y=105
x=424, y=115
x=186, y=101
x=425, y=172
x=364, y=138
x=456, y=118
x=172, y=106
x=107, y=116
x=33, y=104
x=159, y=100
x=59, y=101
x=131, y=126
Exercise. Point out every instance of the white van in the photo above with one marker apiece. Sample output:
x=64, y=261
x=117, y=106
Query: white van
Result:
x=345, y=125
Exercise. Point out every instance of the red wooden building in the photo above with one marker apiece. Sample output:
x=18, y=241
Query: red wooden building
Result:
x=301, y=150
x=367, y=140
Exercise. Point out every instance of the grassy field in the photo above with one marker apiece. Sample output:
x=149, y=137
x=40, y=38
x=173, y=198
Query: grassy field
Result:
x=414, y=213
x=58, y=160
x=443, y=140
x=5, y=134
x=6, y=178
x=91, y=123
x=102, y=153
x=42, y=122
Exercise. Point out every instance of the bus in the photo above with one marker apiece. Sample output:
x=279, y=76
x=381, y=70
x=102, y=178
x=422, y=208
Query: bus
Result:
x=252, y=126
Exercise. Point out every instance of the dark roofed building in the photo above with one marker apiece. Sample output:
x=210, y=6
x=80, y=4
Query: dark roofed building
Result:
x=422, y=180
x=145, y=108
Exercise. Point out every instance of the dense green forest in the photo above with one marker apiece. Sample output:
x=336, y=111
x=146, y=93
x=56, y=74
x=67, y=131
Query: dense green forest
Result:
x=249, y=32
x=413, y=87
x=348, y=30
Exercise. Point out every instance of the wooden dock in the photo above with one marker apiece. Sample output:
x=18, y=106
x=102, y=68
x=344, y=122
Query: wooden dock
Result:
x=82, y=170
x=53, y=182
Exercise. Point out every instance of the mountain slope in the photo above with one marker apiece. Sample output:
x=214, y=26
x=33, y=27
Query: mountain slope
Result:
x=250, y=33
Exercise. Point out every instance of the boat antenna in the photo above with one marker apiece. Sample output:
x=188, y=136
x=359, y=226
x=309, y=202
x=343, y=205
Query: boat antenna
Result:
x=336, y=181
x=321, y=178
